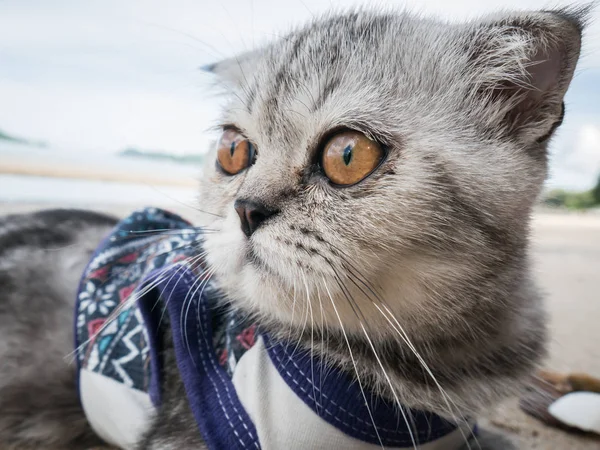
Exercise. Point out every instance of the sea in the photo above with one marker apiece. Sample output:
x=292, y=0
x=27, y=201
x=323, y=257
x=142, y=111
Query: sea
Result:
x=85, y=192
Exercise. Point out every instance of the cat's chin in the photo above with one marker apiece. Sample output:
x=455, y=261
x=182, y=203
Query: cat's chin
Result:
x=278, y=287
x=256, y=281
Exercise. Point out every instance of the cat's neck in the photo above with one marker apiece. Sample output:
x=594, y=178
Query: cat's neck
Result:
x=453, y=376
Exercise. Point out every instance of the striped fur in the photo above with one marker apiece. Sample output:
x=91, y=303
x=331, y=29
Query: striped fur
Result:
x=421, y=270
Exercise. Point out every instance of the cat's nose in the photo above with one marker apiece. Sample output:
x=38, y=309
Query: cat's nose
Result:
x=252, y=215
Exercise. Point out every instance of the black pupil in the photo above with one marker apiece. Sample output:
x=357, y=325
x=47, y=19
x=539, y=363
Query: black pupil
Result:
x=232, y=148
x=347, y=154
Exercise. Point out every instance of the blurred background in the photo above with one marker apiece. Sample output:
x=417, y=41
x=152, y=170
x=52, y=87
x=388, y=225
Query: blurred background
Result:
x=103, y=105
x=111, y=91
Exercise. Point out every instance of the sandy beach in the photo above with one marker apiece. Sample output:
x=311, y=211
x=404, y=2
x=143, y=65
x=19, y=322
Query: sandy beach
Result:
x=566, y=260
x=20, y=160
x=88, y=172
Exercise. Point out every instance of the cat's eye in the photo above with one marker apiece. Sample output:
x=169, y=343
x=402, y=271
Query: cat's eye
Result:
x=349, y=157
x=234, y=152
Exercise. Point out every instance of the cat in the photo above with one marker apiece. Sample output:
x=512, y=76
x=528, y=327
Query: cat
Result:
x=369, y=199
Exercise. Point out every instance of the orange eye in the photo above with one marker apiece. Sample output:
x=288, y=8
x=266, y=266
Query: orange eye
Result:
x=234, y=152
x=349, y=157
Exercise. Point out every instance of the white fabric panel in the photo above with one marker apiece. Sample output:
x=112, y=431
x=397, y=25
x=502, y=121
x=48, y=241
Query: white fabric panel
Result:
x=117, y=413
x=578, y=409
x=284, y=421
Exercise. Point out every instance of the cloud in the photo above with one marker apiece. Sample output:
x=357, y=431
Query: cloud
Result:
x=74, y=119
x=98, y=75
x=576, y=162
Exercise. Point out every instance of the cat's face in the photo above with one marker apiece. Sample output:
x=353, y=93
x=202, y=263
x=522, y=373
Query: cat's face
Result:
x=441, y=205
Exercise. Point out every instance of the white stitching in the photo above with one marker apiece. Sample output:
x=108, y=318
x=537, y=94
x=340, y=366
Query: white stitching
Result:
x=203, y=355
x=373, y=435
x=337, y=419
x=203, y=311
x=188, y=286
x=283, y=349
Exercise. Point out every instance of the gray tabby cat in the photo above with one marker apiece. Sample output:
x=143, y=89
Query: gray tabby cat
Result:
x=388, y=169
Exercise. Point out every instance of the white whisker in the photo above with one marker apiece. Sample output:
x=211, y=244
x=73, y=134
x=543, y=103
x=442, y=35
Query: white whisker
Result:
x=201, y=281
x=397, y=400
x=354, y=364
x=445, y=396
x=312, y=341
x=115, y=314
x=184, y=264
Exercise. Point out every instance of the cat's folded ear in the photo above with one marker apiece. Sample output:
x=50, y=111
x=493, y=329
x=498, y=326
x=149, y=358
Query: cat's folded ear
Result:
x=521, y=66
x=237, y=71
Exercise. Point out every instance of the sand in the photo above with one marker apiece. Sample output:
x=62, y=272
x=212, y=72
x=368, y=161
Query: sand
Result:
x=46, y=162
x=91, y=172
x=566, y=260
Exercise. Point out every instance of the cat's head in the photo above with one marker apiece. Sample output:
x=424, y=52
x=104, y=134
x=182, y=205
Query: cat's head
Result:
x=377, y=168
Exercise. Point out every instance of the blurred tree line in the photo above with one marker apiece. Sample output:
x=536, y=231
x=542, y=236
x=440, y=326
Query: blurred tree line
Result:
x=185, y=159
x=574, y=200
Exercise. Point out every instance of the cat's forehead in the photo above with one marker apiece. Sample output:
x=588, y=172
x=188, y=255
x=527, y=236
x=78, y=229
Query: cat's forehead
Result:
x=352, y=70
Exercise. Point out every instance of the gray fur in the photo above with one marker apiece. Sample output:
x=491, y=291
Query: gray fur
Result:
x=433, y=244
x=438, y=233
x=42, y=257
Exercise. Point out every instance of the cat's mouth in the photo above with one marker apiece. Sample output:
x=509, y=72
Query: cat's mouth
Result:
x=254, y=259
x=267, y=263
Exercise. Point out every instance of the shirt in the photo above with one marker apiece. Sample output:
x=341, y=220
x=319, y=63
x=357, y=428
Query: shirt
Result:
x=245, y=389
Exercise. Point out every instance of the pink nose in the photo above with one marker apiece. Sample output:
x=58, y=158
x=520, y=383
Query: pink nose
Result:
x=252, y=215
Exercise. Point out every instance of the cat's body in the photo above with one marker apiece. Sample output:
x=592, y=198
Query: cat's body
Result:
x=42, y=257
x=417, y=274
x=38, y=397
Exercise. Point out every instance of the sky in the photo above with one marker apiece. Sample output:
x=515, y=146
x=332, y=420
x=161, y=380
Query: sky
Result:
x=99, y=76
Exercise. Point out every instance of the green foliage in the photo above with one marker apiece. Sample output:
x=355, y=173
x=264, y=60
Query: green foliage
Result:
x=6, y=137
x=182, y=159
x=574, y=200
x=596, y=192
x=16, y=140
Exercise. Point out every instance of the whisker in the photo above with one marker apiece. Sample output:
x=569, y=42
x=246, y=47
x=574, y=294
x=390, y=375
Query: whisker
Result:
x=393, y=391
x=293, y=300
x=312, y=343
x=404, y=337
x=154, y=255
x=179, y=270
x=445, y=396
x=170, y=231
x=321, y=354
x=305, y=319
x=353, y=363
x=185, y=204
x=397, y=400
x=203, y=278
x=355, y=308
x=114, y=315
x=133, y=298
